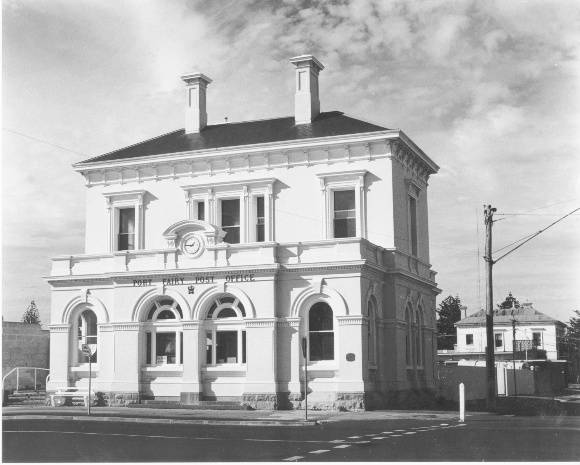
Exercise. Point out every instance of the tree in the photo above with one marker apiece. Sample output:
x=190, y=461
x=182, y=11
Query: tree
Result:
x=571, y=345
x=449, y=313
x=31, y=315
x=509, y=302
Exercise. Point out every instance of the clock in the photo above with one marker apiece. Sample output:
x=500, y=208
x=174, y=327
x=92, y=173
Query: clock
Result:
x=192, y=245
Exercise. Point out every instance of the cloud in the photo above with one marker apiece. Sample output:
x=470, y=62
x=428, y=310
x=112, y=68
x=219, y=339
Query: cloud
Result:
x=490, y=90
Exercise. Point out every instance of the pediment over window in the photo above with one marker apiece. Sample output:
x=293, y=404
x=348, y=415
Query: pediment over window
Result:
x=199, y=233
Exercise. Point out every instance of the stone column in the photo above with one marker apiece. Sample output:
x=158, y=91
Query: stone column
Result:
x=59, y=356
x=191, y=387
x=260, y=388
x=127, y=364
x=352, y=373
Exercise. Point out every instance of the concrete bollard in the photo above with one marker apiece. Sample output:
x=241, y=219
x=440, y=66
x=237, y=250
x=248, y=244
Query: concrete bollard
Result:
x=461, y=402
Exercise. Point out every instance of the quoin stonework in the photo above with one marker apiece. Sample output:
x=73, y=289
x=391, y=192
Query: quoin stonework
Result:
x=211, y=252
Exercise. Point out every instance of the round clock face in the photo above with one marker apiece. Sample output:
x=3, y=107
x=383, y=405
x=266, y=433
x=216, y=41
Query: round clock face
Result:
x=192, y=245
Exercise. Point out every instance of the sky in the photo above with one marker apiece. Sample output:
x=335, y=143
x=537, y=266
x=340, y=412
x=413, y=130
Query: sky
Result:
x=488, y=89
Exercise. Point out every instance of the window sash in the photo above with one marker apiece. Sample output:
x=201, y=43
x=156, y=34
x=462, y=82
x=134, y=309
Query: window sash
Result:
x=469, y=339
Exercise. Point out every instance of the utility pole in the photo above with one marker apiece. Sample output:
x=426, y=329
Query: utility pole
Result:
x=489, y=353
x=514, y=352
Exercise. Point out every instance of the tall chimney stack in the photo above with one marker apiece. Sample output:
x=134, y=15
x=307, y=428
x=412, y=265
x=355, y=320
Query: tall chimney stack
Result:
x=306, y=101
x=195, y=102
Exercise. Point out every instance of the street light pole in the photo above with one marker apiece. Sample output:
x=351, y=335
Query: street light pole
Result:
x=490, y=354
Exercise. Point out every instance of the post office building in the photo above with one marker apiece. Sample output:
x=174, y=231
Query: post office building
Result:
x=215, y=252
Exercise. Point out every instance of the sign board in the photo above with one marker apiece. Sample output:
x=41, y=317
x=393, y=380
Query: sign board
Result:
x=86, y=349
x=304, y=344
x=523, y=344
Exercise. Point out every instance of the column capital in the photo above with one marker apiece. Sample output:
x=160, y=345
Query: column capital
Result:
x=59, y=328
x=261, y=323
x=348, y=320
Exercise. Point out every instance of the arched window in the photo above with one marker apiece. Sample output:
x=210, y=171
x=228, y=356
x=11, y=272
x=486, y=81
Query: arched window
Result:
x=372, y=333
x=224, y=331
x=408, y=347
x=86, y=325
x=321, y=332
x=163, y=334
x=419, y=340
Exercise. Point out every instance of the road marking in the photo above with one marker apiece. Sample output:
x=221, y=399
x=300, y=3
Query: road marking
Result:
x=410, y=432
x=342, y=446
x=362, y=442
x=400, y=430
x=444, y=424
x=354, y=437
x=320, y=451
x=293, y=459
x=387, y=432
x=336, y=440
x=379, y=437
x=396, y=435
x=370, y=435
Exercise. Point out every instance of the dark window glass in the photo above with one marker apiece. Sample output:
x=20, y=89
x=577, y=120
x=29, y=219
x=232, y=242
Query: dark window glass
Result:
x=498, y=340
x=181, y=347
x=260, y=222
x=469, y=339
x=211, y=310
x=242, y=309
x=126, y=239
x=148, y=349
x=227, y=299
x=231, y=220
x=321, y=335
x=413, y=225
x=165, y=350
x=166, y=315
x=227, y=313
x=208, y=347
x=536, y=339
x=87, y=331
x=243, y=347
x=227, y=347
x=344, y=214
x=201, y=211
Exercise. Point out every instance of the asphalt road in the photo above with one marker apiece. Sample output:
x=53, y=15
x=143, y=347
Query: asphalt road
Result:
x=482, y=437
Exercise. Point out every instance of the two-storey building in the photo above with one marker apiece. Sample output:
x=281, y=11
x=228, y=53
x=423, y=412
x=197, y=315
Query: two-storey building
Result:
x=214, y=252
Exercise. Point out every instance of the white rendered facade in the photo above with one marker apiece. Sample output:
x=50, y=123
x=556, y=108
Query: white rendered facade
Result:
x=181, y=314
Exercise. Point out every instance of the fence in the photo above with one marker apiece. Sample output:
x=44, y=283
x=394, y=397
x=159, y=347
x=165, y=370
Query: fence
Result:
x=25, y=378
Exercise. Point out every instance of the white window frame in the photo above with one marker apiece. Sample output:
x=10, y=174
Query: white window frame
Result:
x=216, y=325
x=121, y=200
x=155, y=326
x=322, y=364
x=246, y=191
x=342, y=181
x=75, y=362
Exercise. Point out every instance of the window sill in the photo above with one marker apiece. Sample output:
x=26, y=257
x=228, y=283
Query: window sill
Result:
x=85, y=367
x=225, y=367
x=168, y=367
x=323, y=365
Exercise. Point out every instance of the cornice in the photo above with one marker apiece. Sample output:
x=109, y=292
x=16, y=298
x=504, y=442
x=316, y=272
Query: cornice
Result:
x=288, y=323
x=260, y=323
x=59, y=328
x=349, y=320
x=189, y=155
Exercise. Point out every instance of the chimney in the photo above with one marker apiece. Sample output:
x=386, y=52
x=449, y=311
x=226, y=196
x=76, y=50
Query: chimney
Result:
x=306, y=102
x=195, y=102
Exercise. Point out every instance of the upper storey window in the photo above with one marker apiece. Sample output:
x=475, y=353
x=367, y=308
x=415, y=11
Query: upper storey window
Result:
x=126, y=237
x=413, y=191
x=230, y=220
x=344, y=212
x=125, y=220
x=244, y=210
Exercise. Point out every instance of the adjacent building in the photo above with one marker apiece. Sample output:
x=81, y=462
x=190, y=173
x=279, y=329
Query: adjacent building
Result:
x=537, y=336
x=222, y=259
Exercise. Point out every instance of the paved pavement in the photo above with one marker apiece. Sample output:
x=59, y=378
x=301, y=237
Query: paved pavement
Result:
x=389, y=436
x=186, y=416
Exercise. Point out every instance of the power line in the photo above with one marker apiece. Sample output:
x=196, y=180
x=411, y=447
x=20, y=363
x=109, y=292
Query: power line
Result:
x=514, y=242
x=42, y=141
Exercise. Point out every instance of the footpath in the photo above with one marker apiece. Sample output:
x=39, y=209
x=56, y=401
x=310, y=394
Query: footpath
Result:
x=220, y=417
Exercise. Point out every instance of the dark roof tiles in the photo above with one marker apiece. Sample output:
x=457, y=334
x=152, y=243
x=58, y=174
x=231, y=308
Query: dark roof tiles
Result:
x=523, y=314
x=333, y=123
